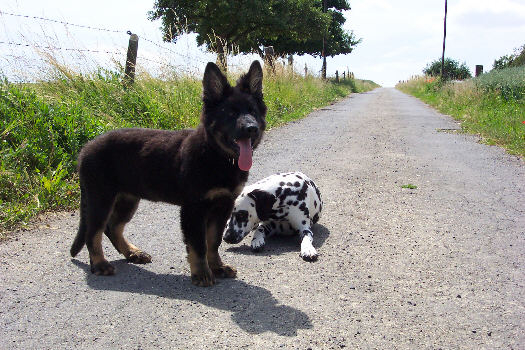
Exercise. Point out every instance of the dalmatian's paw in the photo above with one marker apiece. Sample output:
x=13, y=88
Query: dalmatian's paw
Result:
x=258, y=244
x=308, y=252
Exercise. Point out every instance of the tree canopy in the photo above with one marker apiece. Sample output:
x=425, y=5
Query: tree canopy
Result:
x=291, y=26
x=513, y=60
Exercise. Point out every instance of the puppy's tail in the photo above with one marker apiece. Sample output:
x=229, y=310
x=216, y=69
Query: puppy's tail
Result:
x=80, y=239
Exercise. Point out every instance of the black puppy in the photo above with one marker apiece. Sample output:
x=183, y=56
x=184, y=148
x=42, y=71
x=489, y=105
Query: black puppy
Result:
x=202, y=170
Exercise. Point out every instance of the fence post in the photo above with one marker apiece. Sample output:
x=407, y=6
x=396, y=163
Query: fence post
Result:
x=344, y=75
x=268, y=57
x=131, y=59
x=305, y=70
x=479, y=69
x=336, y=76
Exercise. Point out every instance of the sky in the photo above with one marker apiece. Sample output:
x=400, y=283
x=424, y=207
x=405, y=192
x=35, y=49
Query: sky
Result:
x=399, y=38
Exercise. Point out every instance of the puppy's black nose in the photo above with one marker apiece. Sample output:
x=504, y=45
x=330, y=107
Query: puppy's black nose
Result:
x=251, y=129
x=247, y=125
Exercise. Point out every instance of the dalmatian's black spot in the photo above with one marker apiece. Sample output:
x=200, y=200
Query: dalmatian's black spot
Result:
x=303, y=222
x=296, y=184
x=289, y=202
x=304, y=209
x=281, y=183
x=278, y=191
x=315, y=204
x=296, y=203
x=315, y=218
x=299, y=177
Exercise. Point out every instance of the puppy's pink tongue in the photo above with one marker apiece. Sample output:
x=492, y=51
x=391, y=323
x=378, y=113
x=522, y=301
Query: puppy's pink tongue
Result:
x=245, y=156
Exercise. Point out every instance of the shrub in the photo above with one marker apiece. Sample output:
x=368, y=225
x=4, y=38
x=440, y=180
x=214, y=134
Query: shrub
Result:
x=452, y=70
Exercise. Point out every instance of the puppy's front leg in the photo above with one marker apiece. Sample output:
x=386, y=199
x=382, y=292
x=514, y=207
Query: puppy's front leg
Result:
x=193, y=226
x=217, y=217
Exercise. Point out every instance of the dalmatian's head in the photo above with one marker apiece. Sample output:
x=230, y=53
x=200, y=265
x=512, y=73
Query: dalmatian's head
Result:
x=250, y=209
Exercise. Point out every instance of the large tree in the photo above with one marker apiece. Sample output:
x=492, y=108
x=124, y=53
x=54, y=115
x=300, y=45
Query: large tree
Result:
x=246, y=25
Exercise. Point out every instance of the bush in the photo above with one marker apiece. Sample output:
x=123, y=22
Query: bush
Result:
x=452, y=70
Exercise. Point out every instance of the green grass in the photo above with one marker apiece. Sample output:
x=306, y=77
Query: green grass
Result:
x=492, y=105
x=409, y=186
x=44, y=125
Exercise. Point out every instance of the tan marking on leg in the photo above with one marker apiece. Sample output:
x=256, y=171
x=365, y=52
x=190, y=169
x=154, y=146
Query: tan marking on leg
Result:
x=122, y=244
x=201, y=275
x=214, y=260
x=96, y=254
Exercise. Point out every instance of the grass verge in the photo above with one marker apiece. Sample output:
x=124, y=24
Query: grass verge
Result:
x=44, y=125
x=492, y=105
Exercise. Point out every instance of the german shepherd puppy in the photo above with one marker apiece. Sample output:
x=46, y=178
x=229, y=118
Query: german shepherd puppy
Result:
x=202, y=170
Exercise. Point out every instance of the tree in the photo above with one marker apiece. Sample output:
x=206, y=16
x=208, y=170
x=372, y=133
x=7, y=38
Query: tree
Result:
x=244, y=24
x=513, y=60
x=336, y=39
x=451, y=69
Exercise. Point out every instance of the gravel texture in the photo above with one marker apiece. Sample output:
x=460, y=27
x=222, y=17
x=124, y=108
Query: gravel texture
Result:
x=440, y=266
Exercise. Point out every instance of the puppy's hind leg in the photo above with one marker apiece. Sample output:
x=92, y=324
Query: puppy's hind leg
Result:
x=123, y=210
x=98, y=210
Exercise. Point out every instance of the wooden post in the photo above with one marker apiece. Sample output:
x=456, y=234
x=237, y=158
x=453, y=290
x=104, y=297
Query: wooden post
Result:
x=268, y=57
x=479, y=69
x=305, y=70
x=336, y=76
x=344, y=77
x=131, y=59
x=444, y=37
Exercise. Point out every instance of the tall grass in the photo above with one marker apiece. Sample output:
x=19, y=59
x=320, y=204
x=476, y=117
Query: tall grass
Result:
x=44, y=125
x=491, y=105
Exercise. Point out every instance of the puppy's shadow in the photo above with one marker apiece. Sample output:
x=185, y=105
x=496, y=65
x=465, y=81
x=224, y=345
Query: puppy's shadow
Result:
x=280, y=244
x=253, y=308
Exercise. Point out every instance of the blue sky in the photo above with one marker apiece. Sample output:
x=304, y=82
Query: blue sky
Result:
x=399, y=37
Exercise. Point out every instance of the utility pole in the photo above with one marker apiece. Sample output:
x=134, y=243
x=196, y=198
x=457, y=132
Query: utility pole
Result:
x=444, y=37
x=324, y=52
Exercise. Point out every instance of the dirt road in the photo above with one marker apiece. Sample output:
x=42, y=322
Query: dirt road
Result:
x=441, y=266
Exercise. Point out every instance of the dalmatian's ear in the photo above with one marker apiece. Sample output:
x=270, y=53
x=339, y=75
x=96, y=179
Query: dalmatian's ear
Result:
x=264, y=202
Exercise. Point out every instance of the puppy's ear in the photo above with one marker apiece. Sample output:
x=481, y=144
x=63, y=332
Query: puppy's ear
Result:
x=214, y=84
x=251, y=82
x=264, y=202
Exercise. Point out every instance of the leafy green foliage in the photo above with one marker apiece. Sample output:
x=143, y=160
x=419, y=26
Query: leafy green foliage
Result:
x=290, y=26
x=452, y=70
x=337, y=39
x=516, y=59
x=507, y=82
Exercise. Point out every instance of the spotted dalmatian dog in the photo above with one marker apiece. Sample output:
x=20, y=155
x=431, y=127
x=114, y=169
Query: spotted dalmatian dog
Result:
x=283, y=203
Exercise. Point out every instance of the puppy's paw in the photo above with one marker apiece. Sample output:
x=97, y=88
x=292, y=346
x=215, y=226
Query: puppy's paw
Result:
x=139, y=257
x=225, y=271
x=204, y=278
x=103, y=268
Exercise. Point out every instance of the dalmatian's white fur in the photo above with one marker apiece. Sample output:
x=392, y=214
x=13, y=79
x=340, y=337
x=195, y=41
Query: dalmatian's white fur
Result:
x=283, y=203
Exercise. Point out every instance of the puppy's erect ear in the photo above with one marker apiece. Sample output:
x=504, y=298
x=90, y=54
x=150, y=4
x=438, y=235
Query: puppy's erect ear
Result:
x=214, y=83
x=251, y=82
x=264, y=202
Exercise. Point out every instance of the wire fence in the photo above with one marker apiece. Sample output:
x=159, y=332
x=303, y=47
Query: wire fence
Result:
x=31, y=55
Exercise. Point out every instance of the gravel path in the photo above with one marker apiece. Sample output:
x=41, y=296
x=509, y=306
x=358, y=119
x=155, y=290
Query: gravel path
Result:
x=439, y=266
